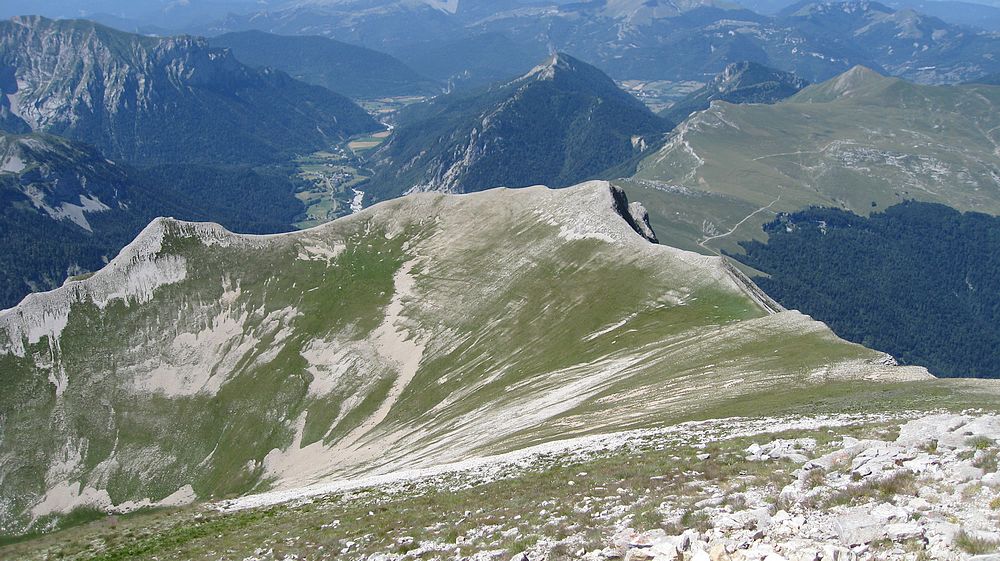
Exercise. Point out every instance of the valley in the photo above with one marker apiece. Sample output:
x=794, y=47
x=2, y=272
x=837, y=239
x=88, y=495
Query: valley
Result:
x=499, y=280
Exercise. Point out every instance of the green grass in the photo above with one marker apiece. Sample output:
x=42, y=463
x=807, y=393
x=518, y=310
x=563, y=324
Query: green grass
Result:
x=815, y=150
x=881, y=489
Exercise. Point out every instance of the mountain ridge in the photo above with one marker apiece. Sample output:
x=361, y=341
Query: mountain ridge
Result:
x=368, y=346
x=144, y=98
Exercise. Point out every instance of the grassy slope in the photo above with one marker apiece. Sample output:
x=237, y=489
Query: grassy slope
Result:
x=534, y=306
x=856, y=140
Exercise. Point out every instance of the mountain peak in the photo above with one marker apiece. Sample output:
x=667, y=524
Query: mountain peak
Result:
x=554, y=64
x=739, y=82
x=858, y=81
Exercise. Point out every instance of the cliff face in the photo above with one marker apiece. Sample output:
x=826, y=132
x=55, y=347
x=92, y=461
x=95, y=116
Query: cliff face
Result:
x=159, y=99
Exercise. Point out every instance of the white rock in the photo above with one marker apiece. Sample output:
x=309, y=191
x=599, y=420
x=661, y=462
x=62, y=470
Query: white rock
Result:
x=859, y=529
x=886, y=512
x=903, y=531
x=966, y=472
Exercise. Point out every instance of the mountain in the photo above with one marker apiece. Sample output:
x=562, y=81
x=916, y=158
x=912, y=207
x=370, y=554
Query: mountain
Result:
x=471, y=61
x=859, y=142
x=970, y=14
x=350, y=70
x=146, y=99
x=383, y=25
x=902, y=42
x=740, y=82
x=561, y=123
x=150, y=15
x=628, y=39
x=67, y=209
x=202, y=363
x=814, y=40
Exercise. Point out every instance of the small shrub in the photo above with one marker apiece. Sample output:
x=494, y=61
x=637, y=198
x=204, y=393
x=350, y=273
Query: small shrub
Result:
x=974, y=545
x=987, y=462
x=815, y=478
x=698, y=520
x=979, y=442
x=646, y=517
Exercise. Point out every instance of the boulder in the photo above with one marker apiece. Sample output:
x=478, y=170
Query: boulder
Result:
x=966, y=472
x=903, y=531
x=859, y=529
x=926, y=430
x=718, y=552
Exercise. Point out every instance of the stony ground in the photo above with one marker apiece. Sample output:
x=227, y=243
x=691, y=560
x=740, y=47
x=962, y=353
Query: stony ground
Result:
x=864, y=487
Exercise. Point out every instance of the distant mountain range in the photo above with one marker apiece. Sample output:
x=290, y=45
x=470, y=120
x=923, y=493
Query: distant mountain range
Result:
x=146, y=99
x=666, y=41
x=559, y=124
x=350, y=70
x=740, y=82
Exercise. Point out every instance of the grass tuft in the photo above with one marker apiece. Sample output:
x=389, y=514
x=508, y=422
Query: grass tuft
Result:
x=975, y=545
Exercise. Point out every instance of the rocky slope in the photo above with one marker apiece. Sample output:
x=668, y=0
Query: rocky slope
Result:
x=561, y=123
x=170, y=99
x=201, y=363
x=897, y=485
x=740, y=82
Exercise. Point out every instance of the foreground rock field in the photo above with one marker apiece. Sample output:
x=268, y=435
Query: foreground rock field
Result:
x=909, y=485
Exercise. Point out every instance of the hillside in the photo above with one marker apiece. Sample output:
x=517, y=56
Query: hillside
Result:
x=861, y=142
x=561, y=123
x=740, y=82
x=349, y=70
x=64, y=212
x=201, y=363
x=155, y=100
x=67, y=209
x=846, y=271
